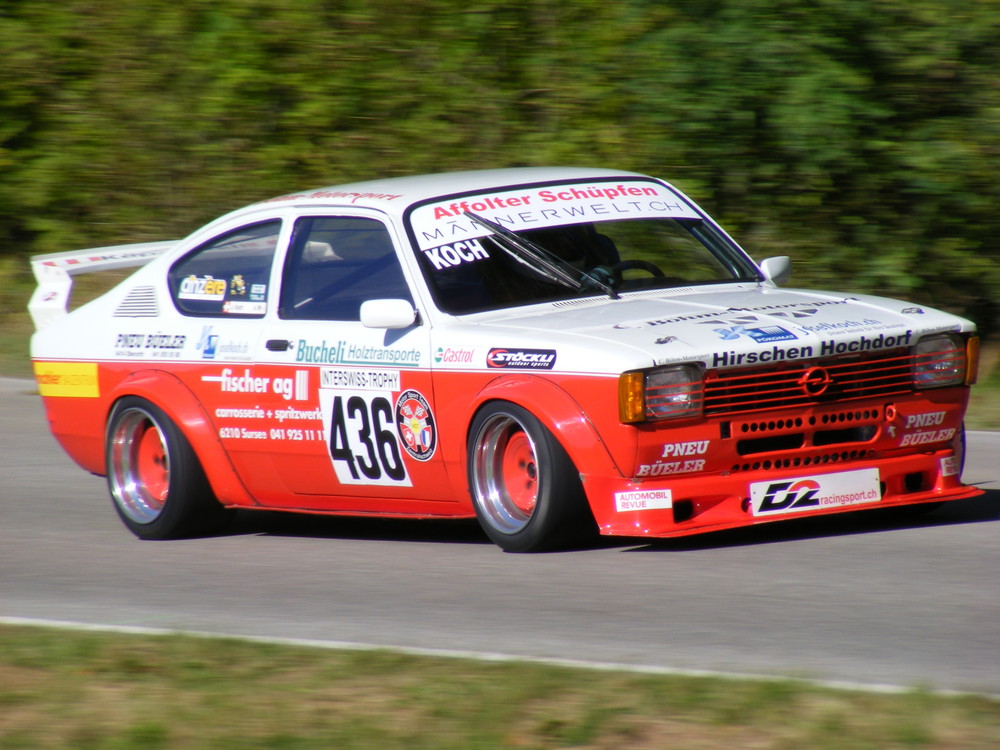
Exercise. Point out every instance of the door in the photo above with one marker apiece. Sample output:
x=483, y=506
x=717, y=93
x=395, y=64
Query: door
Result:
x=353, y=425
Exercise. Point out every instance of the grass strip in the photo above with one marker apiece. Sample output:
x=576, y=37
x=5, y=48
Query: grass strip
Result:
x=111, y=691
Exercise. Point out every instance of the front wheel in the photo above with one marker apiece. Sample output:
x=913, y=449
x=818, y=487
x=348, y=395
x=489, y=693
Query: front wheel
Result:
x=958, y=445
x=156, y=482
x=526, y=491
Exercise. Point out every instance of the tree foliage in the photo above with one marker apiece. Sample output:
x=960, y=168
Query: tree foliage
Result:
x=861, y=137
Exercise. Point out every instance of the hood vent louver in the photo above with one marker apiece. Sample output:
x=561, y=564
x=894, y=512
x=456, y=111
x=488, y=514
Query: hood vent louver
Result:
x=601, y=299
x=580, y=302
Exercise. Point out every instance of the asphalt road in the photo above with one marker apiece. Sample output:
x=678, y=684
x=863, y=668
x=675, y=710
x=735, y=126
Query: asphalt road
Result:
x=867, y=598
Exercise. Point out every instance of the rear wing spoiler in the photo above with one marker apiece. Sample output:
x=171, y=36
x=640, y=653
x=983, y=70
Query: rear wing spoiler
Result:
x=54, y=273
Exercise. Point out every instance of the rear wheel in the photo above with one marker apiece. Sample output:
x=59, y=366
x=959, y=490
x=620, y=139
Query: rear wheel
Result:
x=526, y=491
x=157, y=484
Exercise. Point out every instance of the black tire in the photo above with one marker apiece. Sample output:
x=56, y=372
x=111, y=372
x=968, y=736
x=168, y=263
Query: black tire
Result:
x=958, y=444
x=157, y=485
x=526, y=491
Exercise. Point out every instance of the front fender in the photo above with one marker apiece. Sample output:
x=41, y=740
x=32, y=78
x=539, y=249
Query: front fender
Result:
x=561, y=414
x=169, y=393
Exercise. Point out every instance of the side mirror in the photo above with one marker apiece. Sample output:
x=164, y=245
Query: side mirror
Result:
x=777, y=270
x=387, y=313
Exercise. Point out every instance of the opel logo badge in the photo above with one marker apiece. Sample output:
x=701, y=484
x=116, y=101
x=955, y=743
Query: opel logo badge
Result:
x=815, y=381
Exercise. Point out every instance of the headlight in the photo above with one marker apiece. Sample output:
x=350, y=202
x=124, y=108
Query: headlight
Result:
x=939, y=361
x=664, y=393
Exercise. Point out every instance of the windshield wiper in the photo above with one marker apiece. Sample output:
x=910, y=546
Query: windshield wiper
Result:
x=540, y=260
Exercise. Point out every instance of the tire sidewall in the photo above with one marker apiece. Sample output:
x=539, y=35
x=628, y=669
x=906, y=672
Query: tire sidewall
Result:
x=186, y=487
x=555, y=520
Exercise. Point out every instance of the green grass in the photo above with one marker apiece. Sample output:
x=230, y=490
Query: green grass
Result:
x=71, y=689
x=15, y=331
x=984, y=404
x=16, y=286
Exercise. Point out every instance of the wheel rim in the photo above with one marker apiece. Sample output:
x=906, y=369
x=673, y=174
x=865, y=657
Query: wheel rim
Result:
x=505, y=474
x=139, y=466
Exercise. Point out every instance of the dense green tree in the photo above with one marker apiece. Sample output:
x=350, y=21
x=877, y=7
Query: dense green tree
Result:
x=859, y=136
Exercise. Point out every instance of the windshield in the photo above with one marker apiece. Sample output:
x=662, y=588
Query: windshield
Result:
x=553, y=265
x=505, y=252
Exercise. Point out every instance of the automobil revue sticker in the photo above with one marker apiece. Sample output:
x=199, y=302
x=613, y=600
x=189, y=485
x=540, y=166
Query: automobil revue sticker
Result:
x=643, y=500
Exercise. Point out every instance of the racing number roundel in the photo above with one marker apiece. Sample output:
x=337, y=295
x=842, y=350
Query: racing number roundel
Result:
x=415, y=424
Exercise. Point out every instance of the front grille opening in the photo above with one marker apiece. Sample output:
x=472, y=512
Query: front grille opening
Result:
x=683, y=510
x=803, y=461
x=880, y=374
x=847, y=435
x=859, y=415
x=916, y=482
x=772, y=425
x=773, y=443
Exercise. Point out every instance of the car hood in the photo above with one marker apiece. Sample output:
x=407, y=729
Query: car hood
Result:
x=736, y=326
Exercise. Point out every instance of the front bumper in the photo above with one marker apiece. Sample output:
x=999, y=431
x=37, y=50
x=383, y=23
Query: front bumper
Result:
x=679, y=506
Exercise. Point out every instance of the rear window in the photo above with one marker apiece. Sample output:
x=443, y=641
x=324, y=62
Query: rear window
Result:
x=229, y=275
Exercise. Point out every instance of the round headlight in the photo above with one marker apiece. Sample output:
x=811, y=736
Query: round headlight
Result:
x=939, y=361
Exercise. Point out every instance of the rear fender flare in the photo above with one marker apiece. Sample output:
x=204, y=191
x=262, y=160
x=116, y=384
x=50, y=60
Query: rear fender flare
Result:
x=169, y=393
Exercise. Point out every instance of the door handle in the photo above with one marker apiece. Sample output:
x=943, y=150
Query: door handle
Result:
x=278, y=345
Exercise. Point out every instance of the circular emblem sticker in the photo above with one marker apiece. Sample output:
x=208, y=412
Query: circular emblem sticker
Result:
x=415, y=425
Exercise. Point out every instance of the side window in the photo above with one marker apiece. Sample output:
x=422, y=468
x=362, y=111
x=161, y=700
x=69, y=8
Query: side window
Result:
x=229, y=275
x=334, y=264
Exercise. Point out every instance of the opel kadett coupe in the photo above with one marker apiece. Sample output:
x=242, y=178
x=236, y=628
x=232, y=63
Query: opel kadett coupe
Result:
x=555, y=351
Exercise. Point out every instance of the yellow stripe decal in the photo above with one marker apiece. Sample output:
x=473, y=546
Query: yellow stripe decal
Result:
x=67, y=379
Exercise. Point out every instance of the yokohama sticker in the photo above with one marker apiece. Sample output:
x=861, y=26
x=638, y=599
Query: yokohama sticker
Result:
x=415, y=425
x=814, y=492
x=522, y=359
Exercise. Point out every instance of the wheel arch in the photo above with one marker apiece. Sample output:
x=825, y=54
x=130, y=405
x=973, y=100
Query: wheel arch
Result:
x=557, y=410
x=179, y=403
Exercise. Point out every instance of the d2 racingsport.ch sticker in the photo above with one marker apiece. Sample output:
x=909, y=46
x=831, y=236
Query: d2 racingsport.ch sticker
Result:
x=813, y=492
x=415, y=424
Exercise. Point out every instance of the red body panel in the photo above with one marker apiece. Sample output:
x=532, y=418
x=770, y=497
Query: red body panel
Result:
x=260, y=448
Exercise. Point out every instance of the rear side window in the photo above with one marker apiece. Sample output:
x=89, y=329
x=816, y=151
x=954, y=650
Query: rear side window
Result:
x=334, y=264
x=227, y=276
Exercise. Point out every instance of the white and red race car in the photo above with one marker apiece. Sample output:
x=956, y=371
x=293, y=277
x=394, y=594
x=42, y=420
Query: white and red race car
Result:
x=555, y=351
